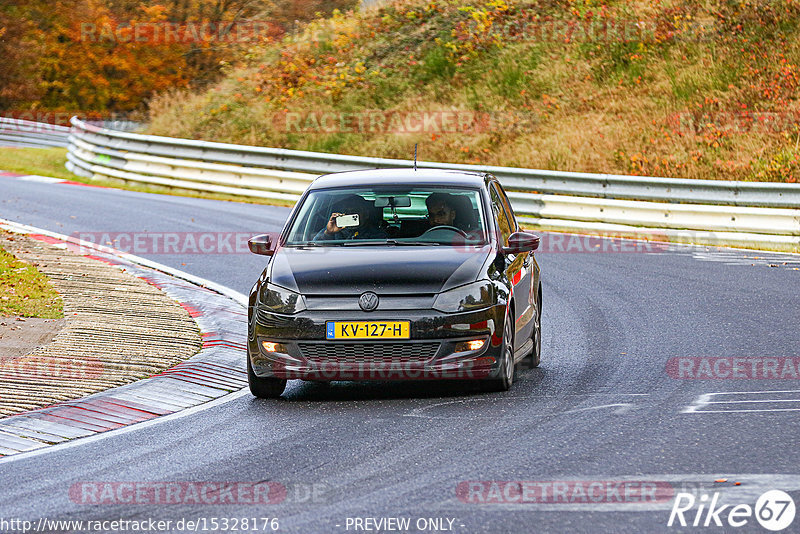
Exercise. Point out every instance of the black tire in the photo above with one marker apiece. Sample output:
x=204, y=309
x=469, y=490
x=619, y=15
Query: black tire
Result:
x=506, y=377
x=535, y=356
x=264, y=388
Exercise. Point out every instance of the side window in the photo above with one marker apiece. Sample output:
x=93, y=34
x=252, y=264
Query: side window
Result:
x=512, y=219
x=500, y=214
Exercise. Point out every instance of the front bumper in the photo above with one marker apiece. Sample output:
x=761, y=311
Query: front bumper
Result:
x=304, y=352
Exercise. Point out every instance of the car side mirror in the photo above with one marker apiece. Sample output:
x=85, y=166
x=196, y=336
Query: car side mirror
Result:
x=261, y=244
x=519, y=242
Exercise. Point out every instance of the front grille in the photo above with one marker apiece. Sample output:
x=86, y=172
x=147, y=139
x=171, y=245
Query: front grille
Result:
x=368, y=353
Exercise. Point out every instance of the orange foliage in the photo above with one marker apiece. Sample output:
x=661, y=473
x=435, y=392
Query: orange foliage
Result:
x=83, y=55
x=89, y=55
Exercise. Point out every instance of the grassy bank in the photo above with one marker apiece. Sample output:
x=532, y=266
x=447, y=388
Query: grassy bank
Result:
x=672, y=88
x=25, y=291
x=41, y=161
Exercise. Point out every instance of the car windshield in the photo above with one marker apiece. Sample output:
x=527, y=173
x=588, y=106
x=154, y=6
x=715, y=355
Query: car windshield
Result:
x=447, y=216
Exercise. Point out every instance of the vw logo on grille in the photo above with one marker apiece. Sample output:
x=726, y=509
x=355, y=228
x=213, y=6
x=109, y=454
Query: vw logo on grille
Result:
x=368, y=301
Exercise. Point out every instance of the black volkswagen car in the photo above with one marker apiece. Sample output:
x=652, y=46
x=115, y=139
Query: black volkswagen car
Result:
x=396, y=274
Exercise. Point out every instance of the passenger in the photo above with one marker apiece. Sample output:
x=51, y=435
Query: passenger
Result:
x=441, y=210
x=352, y=205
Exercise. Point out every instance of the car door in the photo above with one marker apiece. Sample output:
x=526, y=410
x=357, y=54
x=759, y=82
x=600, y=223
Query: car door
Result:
x=518, y=266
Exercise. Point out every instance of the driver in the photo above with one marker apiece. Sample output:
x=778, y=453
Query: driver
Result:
x=441, y=210
x=352, y=205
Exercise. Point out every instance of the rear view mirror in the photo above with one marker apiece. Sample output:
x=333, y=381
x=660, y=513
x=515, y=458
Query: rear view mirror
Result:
x=519, y=242
x=395, y=202
x=261, y=244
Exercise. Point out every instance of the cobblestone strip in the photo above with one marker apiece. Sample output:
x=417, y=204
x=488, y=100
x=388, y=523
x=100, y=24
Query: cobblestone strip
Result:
x=159, y=337
x=119, y=329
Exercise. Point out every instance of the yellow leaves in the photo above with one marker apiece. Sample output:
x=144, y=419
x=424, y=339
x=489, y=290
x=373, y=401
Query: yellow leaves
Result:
x=155, y=13
x=498, y=5
x=480, y=17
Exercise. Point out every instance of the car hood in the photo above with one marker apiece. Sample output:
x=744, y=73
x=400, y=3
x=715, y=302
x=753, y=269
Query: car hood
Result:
x=342, y=270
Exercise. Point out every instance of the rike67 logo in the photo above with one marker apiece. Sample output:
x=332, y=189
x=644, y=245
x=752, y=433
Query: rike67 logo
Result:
x=774, y=510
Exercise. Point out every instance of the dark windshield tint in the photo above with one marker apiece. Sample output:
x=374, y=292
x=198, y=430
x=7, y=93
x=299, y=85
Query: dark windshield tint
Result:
x=391, y=215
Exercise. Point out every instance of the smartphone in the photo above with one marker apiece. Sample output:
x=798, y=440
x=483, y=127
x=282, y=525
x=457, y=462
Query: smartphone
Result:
x=343, y=221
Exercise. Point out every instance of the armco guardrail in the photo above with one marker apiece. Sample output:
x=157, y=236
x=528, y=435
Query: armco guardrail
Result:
x=750, y=214
x=18, y=132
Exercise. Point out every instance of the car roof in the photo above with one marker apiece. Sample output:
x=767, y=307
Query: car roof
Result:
x=403, y=176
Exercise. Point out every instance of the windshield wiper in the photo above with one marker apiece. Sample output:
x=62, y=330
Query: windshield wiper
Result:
x=415, y=243
x=365, y=242
x=317, y=244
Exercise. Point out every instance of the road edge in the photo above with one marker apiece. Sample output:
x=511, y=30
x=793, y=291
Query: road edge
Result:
x=213, y=376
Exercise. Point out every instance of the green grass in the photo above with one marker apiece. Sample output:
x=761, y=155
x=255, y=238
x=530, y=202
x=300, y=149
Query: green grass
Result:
x=25, y=291
x=50, y=162
x=436, y=67
x=42, y=161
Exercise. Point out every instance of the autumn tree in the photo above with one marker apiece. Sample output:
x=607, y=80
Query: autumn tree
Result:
x=90, y=55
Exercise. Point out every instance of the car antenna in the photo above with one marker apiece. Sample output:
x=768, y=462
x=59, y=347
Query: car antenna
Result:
x=415, y=156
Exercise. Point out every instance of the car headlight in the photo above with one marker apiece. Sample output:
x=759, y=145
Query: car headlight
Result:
x=281, y=300
x=465, y=298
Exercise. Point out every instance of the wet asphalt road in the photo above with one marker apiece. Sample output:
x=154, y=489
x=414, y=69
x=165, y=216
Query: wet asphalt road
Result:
x=602, y=406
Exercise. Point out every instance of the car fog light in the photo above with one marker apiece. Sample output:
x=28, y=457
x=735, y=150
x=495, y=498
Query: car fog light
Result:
x=271, y=346
x=475, y=344
x=469, y=346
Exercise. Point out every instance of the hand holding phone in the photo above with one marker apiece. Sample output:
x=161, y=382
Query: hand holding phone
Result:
x=343, y=221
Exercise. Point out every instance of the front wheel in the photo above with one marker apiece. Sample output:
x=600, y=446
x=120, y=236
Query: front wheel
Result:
x=264, y=388
x=506, y=373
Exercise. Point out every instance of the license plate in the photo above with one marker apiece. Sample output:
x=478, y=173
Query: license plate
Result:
x=368, y=330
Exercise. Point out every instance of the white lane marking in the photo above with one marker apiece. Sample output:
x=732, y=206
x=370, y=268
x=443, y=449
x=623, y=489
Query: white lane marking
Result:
x=228, y=292
x=41, y=179
x=750, y=401
x=130, y=428
x=718, y=398
x=786, y=260
x=621, y=407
